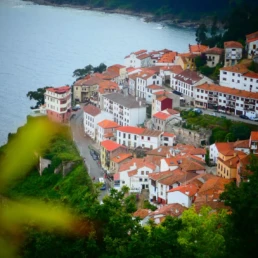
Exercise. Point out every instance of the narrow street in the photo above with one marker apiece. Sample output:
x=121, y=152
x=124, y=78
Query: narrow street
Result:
x=82, y=142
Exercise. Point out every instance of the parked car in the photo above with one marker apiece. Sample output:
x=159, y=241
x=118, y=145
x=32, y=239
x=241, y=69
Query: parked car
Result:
x=92, y=152
x=95, y=157
x=197, y=110
x=244, y=117
x=76, y=108
x=255, y=119
x=177, y=93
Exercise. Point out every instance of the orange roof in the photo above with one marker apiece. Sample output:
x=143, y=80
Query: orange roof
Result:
x=143, y=56
x=108, y=124
x=189, y=190
x=91, y=110
x=174, y=209
x=172, y=111
x=161, y=98
x=107, y=85
x=59, y=90
x=228, y=90
x=238, y=68
x=168, y=57
x=88, y=81
x=252, y=37
x=190, y=165
x=131, y=129
x=110, y=145
x=232, y=44
x=224, y=146
x=251, y=75
x=167, y=134
x=161, y=151
x=139, y=52
x=177, y=176
x=121, y=157
x=142, y=213
x=138, y=162
x=214, y=51
x=159, y=92
x=254, y=136
x=241, y=144
x=161, y=115
x=174, y=68
x=197, y=48
x=154, y=87
x=132, y=173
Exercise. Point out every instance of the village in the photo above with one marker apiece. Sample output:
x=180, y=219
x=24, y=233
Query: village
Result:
x=131, y=113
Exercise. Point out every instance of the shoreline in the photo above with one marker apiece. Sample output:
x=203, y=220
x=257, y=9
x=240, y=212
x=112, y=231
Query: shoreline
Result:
x=148, y=17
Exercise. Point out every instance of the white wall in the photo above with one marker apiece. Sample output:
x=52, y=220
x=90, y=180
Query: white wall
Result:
x=178, y=197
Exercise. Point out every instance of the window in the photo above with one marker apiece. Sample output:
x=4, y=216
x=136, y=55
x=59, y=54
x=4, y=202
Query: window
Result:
x=224, y=72
x=142, y=172
x=123, y=135
x=142, y=137
x=148, y=138
x=145, y=179
x=140, y=179
x=224, y=79
x=233, y=74
x=233, y=80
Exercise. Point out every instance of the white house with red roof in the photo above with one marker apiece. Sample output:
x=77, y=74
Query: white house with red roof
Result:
x=120, y=70
x=253, y=142
x=139, y=58
x=106, y=130
x=58, y=103
x=233, y=52
x=166, y=72
x=184, y=195
x=135, y=174
x=252, y=44
x=150, y=89
x=168, y=139
x=92, y=115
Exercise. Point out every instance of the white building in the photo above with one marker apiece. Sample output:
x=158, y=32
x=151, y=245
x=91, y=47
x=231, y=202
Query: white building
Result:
x=239, y=77
x=186, y=81
x=252, y=44
x=184, y=195
x=226, y=100
x=214, y=56
x=150, y=90
x=58, y=103
x=91, y=117
x=233, y=52
x=125, y=109
x=138, y=59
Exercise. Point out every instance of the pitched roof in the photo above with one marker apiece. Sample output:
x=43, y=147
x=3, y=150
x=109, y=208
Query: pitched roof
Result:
x=91, y=110
x=254, y=136
x=154, y=87
x=172, y=111
x=238, y=68
x=161, y=151
x=189, y=190
x=141, y=213
x=121, y=157
x=110, y=145
x=106, y=85
x=251, y=75
x=151, y=133
x=167, y=134
x=143, y=56
x=94, y=80
x=214, y=51
x=252, y=37
x=228, y=90
x=224, y=146
x=174, y=210
x=108, y=124
x=59, y=90
x=168, y=57
x=242, y=144
x=161, y=115
x=188, y=76
x=139, y=52
x=232, y=44
x=190, y=165
x=161, y=98
x=197, y=48
x=130, y=129
x=138, y=163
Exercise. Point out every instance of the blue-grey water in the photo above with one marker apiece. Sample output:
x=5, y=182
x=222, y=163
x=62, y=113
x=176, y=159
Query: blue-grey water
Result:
x=42, y=46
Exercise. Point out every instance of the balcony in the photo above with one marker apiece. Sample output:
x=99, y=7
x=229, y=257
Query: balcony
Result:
x=231, y=98
x=249, y=101
x=211, y=94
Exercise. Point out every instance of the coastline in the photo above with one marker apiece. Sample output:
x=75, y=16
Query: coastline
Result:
x=148, y=17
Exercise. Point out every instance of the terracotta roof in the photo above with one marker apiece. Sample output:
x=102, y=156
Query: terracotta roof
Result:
x=157, y=93
x=109, y=75
x=151, y=133
x=160, y=175
x=232, y=44
x=139, y=52
x=188, y=76
x=121, y=157
x=230, y=163
x=130, y=129
x=190, y=165
x=161, y=115
x=116, y=176
x=251, y=75
x=214, y=185
x=214, y=51
x=94, y=80
x=107, y=86
x=173, y=68
x=228, y=90
x=110, y=145
x=252, y=35
x=143, y=56
x=59, y=90
x=117, y=66
x=161, y=151
x=189, y=190
x=168, y=57
x=91, y=110
x=161, y=98
x=177, y=176
x=142, y=213
x=254, y=136
x=188, y=55
x=154, y=87
x=238, y=68
x=132, y=173
x=138, y=162
x=197, y=151
x=197, y=48
x=108, y=124
x=174, y=210
x=224, y=146
x=241, y=144
x=108, y=135
x=172, y=111
x=145, y=74
x=167, y=134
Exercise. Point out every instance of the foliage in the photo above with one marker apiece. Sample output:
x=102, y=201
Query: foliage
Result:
x=207, y=157
x=201, y=33
x=253, y=67
x=242, y=235
x=38, y=96
x=148, y=205
x=200, y=61
x=88, y=69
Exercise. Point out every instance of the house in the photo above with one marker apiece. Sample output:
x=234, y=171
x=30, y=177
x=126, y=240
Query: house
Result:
x=58, y=103
x=217, y=147
x=167, y=59
x=143, y=215
x=127, y=110
x=84, y=88
x=118, y=160
x=166, y=72
x=132, y=78
x=106, y=130
x=242, y=145
x=233, y=52
x=156, y=55
x=91, y=117
x=109, y=149
x=186, y=61
x=214, y=56
x=168, y=139
x=186, y=81
x=150, y=139
x=226, y=100
x=239, y=77
x=253, y=142
x=120, y=70
x=161, y=100
x=138, y=59
x=197, y=49
x=161, y=119
x=135, y=174
x=184, y=195
x=150, y=90
x=252, y=44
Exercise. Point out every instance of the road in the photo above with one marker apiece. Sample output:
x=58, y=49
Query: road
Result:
x=82, y=142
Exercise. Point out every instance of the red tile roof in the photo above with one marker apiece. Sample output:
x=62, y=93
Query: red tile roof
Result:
x=154, y=87
x=130, y=129
x=197, y=48
x=107, y=86
x=172, y=111
x=174, y=210
x=142, y=213
x=238, y=68
x=108, y=124
x=254, y=136
x=110, y=145
x=214, y=51
x=132, y=173
x=91, y=110
x=138, y=162
x=241, y=144
x=143, y=56
x=252, y=37
x=60, y=90
x=121, y=157
x=251, y=75
x=189, y=190
x=161, y=115
x=94, y=80
x=167, y=134
x=168, y=57
x=161, y=98
x=232, y=44
x=139, y=52
x=224, y=146
x=174, y=68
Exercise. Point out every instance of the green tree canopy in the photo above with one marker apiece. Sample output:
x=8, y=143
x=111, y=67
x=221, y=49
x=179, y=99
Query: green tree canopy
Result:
x=38, y=96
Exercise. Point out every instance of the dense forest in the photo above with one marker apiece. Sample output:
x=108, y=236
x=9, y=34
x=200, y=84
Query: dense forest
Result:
x=186, y=9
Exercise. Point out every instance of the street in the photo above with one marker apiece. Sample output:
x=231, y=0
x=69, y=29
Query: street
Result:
x=82, y=142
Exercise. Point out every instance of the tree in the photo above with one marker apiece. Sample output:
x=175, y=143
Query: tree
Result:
x=242, y=232
x=207, y=157
x=214, y=27
x=100, y=69
x=202, y=234
x=200, y=61
x=38, y=96
x=240, y=131
x=88, y=69
x=200, y=34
